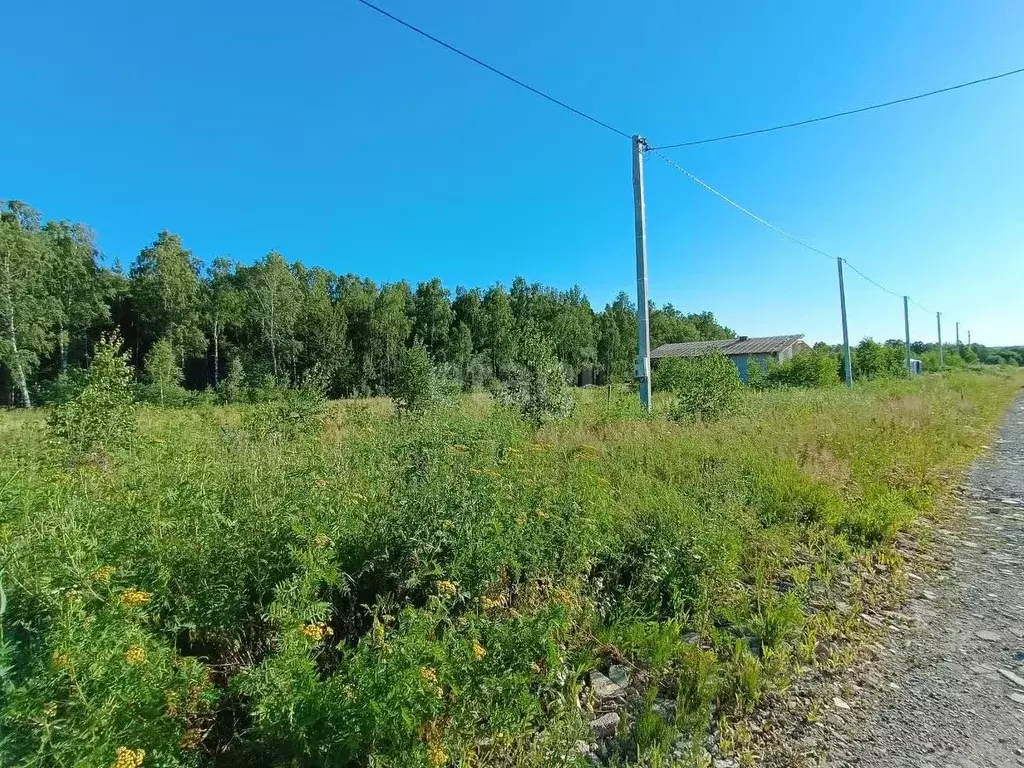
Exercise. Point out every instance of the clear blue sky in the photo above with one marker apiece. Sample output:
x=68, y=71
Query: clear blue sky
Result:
x=333, y=135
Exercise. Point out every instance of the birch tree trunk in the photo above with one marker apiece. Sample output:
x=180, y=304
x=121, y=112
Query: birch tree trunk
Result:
x=12, y=335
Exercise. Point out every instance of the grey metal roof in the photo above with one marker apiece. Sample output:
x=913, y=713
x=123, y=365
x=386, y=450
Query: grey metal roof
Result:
x=764, y=345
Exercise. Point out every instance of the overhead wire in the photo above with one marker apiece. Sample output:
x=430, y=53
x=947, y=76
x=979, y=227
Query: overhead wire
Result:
x=845, y=113
x=494, y=69
x=672, y=163
x=764, y=222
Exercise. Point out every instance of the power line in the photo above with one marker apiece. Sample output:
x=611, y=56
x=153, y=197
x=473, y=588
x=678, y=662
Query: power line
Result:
x=767, y=223
x=739, y=207
x=846, y=113
x=495, y=70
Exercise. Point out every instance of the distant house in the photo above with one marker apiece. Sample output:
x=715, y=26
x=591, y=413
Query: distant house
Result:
x=738, y=350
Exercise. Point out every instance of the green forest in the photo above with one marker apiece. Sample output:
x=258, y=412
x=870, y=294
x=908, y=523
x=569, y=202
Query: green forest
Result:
x=273, y=321
x=188, y=324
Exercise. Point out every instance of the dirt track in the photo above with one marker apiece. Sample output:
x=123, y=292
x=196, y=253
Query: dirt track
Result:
x=942, y=692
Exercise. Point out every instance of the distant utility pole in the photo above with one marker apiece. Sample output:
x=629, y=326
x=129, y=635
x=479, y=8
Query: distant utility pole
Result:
x=968, y=338
x=957, y=335
x=906, y=328
x=938, y=321
x=643, y=363
x=846, y=333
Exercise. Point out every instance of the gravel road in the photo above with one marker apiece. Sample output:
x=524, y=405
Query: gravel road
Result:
x=949, y=689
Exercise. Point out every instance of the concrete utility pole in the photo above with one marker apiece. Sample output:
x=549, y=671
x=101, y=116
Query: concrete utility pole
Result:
x=957, y=335
x=643, y=363
x=938, y=321
x=906, y=327
x=846, y=333
x=968, y=338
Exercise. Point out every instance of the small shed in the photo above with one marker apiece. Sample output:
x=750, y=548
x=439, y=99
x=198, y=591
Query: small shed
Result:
x=738, y=350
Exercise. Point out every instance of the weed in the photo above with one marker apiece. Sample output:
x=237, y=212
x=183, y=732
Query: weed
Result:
x=296, y=582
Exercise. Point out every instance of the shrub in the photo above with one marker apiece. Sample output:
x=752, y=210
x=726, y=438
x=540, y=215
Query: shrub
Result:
x=163, y=372
x=101, y=415
x=288, y=414
x=707, y=386
x=537, y=387
x=815, y=368
x=419, y=385
x=232, y=386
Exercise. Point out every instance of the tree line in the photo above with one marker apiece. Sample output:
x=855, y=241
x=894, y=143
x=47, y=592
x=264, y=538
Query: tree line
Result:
x=274, y=322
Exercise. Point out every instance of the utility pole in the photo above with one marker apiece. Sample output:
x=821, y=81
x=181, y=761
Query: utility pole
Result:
x=906, y=327
x=643, y=363
x=958, y=336
x=968, y=338
x=846, y=333
x=938, y=321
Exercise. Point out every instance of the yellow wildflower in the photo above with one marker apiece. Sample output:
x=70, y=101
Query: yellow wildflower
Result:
x=128, y=758
x=428, y=674
x=317, y=631
x=436, y=754
x=564, y=596
x=136, y=654
x=535, y=668
x=60, y=660
x=458, y=448
x=321, y=483
x=89, y=620
x=446, y=587
x=135, y=597
x=50, y=709
x=104, y=574
x=323, y=541
x=191, y=739
x=72, y=595
x=493, y=602
x=478, y=650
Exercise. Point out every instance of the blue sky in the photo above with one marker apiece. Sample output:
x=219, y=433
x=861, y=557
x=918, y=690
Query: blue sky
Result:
x=333, y=135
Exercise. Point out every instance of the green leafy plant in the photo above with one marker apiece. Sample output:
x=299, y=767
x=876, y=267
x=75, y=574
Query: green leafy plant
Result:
x=706, y=386
x=101, y=416
x=537, y=388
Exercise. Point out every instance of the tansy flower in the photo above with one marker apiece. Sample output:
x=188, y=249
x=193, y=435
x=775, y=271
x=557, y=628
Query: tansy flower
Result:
x=323, y=541
x=458, y=448
x=135, y=597
x=428, y=674
x=50, y=710
x=478, y=650
x=135, y=655
x=493, y=602
x=535, y=668
x=191, y=739
x=104, y=574
x=446, y=587
x=436, y=754
x=60, y=660
x=317, y=631
x=128, y=758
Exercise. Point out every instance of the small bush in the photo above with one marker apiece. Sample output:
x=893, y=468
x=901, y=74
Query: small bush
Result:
x=707, y=386
x=163, y=372
x=419, y=385
x=537, y=387
x=101, y=416
x=288, y=414
x=232, y=386
x=816, y=368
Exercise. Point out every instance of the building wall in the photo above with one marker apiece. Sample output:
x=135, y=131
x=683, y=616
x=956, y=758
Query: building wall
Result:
x=740, y=361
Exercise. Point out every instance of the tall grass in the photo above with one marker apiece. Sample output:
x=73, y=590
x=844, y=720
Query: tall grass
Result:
x=431, y=590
